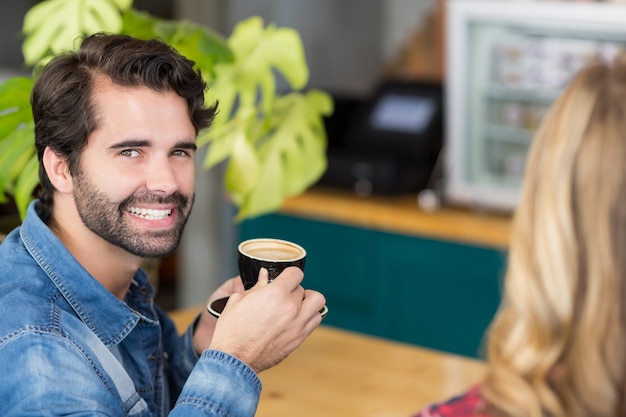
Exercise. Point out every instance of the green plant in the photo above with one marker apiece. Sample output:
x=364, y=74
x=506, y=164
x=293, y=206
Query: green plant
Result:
x=273, y=144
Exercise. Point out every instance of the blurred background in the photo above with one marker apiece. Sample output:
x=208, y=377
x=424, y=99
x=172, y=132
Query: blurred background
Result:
x=435, y=106
x=348, y=44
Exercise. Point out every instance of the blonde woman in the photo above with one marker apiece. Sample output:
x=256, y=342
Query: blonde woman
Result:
x=557, y=346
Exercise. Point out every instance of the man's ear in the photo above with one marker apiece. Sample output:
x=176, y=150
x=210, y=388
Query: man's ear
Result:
x=58, y=171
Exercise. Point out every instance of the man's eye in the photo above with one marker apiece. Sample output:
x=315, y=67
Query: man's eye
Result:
x=180, y=152
x=131, y=153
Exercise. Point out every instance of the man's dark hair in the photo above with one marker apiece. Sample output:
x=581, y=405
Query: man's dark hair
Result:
x=62, y=101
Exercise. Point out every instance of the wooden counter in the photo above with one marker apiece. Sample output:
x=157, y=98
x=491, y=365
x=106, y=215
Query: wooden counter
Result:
x=401, y=215
x=339, y=373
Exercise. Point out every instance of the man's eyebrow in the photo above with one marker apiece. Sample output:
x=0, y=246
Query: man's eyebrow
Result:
x=132, y=143
x=142, y=143
x=186, y=145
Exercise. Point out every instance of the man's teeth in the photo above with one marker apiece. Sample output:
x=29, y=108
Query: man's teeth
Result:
x=150, y=214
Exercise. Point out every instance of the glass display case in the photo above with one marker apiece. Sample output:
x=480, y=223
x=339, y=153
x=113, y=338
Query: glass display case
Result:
x=507, y=61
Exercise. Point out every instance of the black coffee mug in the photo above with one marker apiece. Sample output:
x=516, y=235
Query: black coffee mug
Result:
x=275, y=255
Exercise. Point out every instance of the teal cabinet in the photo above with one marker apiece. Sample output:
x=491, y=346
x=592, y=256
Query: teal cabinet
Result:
x=411, y=289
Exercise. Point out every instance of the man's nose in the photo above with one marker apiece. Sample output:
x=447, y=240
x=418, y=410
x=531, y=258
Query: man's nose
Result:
x=161, y=177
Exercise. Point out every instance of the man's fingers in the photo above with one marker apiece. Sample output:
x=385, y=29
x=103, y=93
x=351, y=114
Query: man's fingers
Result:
x=263, y=277
x=291, y=277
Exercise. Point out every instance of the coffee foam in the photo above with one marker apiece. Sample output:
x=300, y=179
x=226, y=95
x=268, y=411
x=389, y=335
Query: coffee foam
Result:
x=272, y=250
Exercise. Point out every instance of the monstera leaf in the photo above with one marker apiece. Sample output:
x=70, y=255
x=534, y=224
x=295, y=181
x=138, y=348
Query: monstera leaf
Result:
x=285, y=155
x=293, y=154
x=274, y=143
x=53, y=26
x=17, y=145
x=250, y=81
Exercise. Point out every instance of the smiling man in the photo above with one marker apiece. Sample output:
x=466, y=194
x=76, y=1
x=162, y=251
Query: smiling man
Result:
x=115, y=128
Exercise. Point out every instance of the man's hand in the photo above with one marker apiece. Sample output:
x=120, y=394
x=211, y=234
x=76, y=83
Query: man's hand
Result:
x=206, y=326
x=263, y=325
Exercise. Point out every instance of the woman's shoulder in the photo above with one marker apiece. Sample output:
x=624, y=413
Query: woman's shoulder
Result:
x=470, y=403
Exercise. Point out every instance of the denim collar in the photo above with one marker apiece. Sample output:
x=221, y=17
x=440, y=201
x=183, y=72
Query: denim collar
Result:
x=108, y=317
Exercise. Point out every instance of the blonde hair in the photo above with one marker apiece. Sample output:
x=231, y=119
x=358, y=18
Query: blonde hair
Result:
x=557, y=346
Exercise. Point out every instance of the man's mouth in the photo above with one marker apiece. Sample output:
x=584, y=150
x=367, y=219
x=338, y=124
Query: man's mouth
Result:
x=149, y=214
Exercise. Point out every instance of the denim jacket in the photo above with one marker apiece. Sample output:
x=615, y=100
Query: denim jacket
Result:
x=69, y=347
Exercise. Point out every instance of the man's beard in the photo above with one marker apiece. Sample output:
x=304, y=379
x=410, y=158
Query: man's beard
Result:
x=107, y=219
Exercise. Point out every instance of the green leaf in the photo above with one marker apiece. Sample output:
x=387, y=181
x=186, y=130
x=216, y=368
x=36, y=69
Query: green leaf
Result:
x=262, y=49
x=53, y=26
x=266, y=196
x=138, y=24
x=292, y=154
x=221, y=139
x=123, y=4
x=14, y=104
x=258, y=55
x=27, y=182
x=242, y=170
x=17, y=142
x=286, y=53
x=196, y=42
x=224, y=90
x=220, y=148
x=15, y=150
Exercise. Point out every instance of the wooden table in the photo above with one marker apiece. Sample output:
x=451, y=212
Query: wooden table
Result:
x=340, y=373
